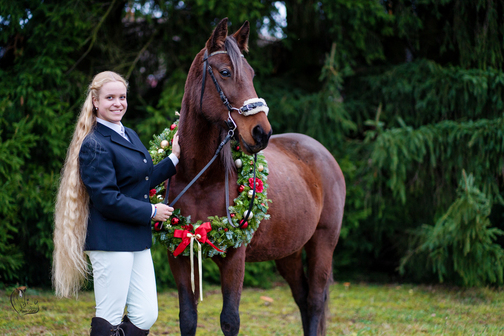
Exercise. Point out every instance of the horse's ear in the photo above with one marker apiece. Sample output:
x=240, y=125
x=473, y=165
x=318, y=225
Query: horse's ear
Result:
x=216, y=41
x=242, y=35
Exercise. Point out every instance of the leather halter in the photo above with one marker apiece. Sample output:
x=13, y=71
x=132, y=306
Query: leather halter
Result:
x=250, y=106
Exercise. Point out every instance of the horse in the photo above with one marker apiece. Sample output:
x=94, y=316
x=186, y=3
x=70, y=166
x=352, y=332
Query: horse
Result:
x=306, y=186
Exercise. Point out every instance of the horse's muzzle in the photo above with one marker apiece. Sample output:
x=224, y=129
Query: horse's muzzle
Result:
x=261, y=139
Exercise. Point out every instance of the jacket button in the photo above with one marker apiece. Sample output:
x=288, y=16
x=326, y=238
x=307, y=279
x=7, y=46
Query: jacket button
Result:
x=146, y=178
x=145, y=160
x=145, y=196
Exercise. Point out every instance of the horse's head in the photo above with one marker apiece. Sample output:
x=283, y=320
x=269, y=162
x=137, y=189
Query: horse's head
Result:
x=227, y=95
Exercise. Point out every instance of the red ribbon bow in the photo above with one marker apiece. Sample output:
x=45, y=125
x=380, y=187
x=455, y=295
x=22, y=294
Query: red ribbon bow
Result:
x=200, y=234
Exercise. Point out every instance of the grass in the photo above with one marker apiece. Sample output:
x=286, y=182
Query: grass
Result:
x=355, y=309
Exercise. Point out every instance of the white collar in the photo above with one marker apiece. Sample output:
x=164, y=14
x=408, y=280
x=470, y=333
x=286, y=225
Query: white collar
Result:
x=119, y=128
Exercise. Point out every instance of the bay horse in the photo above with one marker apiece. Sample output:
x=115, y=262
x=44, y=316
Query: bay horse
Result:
x=306, y=186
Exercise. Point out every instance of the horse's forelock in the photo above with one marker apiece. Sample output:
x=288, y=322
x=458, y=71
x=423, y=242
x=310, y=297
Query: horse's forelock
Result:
x=235, y=55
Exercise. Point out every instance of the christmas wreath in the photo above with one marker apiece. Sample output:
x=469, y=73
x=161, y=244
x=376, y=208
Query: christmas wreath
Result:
x=220, y=234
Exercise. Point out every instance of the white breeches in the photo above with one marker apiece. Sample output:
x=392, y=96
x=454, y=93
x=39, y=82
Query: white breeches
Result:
x=125, y=279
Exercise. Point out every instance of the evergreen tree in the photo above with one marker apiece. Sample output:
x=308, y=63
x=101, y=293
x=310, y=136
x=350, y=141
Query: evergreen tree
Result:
x=406, y=94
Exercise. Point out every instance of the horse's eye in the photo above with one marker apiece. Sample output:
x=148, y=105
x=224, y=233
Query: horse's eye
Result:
x=225, y=73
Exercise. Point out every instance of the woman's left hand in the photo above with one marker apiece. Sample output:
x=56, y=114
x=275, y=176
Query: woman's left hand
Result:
x=163, y=212
x=175, y=145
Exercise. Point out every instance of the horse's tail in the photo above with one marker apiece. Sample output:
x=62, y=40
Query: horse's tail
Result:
x=325, y=314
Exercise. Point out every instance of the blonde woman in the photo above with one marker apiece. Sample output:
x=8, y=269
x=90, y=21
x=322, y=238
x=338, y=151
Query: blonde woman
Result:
x=103, y=210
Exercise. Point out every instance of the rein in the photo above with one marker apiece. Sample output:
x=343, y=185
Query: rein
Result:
x=228, y=137
x=250, y=107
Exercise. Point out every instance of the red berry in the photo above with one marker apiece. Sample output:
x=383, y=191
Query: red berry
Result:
x=187, y=227
x=263, y=204
x=225, y=229
x=241, y=188
x=175, y=220
x=237, y=147
x=232, y=215
x=244, y=225
x=172, y=127
x=158, y=226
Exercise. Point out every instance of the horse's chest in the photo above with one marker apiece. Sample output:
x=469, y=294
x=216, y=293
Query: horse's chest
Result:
x=202, y=201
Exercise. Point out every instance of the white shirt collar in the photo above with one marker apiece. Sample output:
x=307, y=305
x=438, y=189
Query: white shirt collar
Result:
x=119, y=128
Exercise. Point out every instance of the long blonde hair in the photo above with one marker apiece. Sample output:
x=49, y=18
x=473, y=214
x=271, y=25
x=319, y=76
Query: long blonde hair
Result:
x=70, y=267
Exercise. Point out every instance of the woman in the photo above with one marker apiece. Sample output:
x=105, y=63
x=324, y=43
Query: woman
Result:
x=103, y=208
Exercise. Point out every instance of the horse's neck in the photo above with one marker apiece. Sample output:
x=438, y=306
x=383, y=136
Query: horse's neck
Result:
x=199, y=142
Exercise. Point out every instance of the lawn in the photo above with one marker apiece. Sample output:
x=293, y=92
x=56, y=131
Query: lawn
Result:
x=355, y=309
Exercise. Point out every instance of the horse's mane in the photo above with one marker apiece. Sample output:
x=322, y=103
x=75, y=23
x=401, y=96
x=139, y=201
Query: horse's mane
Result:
x=227, y=158
x=235, y=55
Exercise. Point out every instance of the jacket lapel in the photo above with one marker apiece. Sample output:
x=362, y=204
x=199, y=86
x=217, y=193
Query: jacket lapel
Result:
x=117, y=138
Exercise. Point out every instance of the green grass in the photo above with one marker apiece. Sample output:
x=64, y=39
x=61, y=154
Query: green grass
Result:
x=358, y=309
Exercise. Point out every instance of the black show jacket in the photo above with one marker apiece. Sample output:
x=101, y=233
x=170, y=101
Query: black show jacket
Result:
x=118, y=176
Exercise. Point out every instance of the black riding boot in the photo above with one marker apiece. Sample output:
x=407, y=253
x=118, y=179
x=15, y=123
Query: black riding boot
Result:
x=102, y=327
x=130, y=329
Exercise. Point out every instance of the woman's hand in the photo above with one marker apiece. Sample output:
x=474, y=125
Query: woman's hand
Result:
x=163, y=212
x=175, y=145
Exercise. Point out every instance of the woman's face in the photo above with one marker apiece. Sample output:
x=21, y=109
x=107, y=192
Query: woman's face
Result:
x=111, y=102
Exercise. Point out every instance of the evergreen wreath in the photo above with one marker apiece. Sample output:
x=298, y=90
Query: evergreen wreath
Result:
x=223, y=235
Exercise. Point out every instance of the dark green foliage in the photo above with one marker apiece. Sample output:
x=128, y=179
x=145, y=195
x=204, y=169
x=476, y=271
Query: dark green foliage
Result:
x=405, y=94
x=461, y=243
x=424, y=120
x=36, y=104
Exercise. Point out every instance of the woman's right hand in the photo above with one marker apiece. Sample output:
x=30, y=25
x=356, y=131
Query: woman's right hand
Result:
x=163, y=212
x=176, y=145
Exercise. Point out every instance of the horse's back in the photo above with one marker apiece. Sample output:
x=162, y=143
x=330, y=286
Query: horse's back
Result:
x=299, y=149
x=319, y=164
x=307, y=189
x=304, y=148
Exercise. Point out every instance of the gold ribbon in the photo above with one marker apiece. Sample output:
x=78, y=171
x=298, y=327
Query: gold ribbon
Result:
x=194, y=237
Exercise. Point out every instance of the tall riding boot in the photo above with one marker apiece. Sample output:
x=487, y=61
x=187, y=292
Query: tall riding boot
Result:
x=130, y=329
x=102, y=327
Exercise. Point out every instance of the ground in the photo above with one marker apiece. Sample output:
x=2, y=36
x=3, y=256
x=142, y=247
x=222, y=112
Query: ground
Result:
x=355, y=309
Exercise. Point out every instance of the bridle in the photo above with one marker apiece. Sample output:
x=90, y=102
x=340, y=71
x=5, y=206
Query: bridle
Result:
x=250, y=107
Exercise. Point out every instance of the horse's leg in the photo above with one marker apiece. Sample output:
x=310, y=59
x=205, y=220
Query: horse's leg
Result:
x=319, y=256
x=188, y=314
x=291, y=269
x=232, y=271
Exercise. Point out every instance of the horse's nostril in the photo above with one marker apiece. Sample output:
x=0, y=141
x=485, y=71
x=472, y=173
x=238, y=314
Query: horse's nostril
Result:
x=259, y=135
x=257, y=132
x=261, y=138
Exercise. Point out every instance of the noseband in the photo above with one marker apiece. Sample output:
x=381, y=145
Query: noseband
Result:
x=250, y=106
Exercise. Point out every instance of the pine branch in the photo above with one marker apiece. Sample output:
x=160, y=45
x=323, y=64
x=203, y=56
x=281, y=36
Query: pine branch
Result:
x=140, y=54
x=93, y=37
